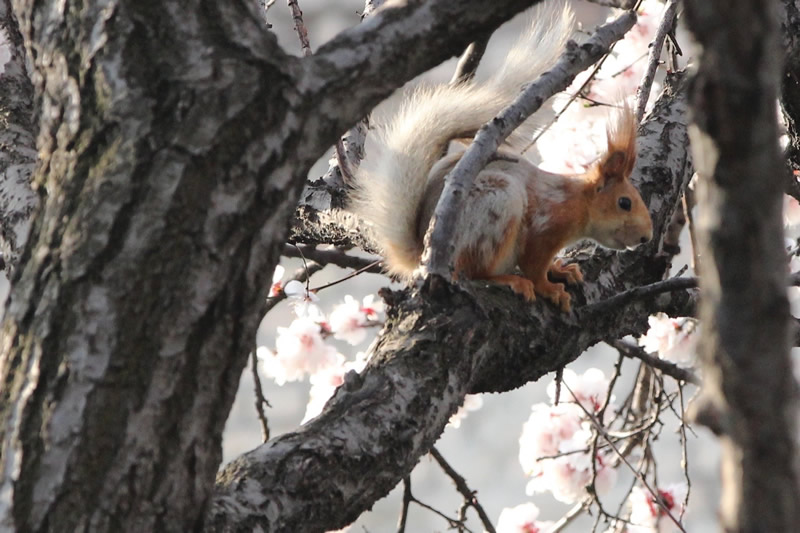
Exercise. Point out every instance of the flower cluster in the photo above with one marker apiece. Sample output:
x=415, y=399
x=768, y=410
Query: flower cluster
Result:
x=302, y=349
x=673, y=339
x=522, y=519
x=556, y=441
x=577, y=139
x=647, y=516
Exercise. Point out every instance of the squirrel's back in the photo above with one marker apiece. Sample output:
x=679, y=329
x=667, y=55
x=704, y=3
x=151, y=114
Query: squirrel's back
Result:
x=391, y=182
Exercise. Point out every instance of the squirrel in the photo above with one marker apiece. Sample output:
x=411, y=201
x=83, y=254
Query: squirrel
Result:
x=515, y=214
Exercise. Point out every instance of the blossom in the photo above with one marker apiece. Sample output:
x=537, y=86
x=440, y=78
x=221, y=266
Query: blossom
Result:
x=577, y=139
x=649, y=517
x=568, y=475
x=472, y=402
x=589, y=389
x=671, y=338
x=349, y=320
x=522, y=519
x=300, y=350
x=791, y=211
x=543, y=433
x=277, y=283
x=325, y=382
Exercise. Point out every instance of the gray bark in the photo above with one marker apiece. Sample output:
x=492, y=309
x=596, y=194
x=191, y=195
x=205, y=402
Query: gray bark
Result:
x=750, y=395
x=17, y=145
x=174, y=142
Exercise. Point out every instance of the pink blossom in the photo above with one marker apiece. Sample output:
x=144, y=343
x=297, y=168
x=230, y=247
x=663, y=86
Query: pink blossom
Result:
x=671, y=338
x=299, y=291
x=349, y=320
x=568, y=475
x=577, y=139
x=472, y=402
x=791, y=211
x=277, y=281
x=325, y=382
x=543, y=433
x=522, y=519
x=300, y=350
x=649, y=517
x=589, y=389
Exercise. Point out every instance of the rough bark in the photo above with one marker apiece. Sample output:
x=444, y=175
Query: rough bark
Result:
x=749, y=397
x=175, y=139
x=441, y=342
x=17, y=145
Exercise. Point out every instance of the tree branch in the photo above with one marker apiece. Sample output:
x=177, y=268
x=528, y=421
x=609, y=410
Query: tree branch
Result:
x=363, y=65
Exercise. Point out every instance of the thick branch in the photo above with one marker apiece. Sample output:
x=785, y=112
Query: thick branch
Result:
x=364, y=65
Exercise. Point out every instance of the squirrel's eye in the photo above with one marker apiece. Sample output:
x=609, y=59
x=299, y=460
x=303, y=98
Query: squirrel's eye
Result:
x=625, y=203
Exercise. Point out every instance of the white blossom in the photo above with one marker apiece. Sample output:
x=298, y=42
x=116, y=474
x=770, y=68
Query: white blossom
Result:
x=522, y=519
x=300, y=350
x=349, y=320
x=325, y=382
x=648, y=517
x=472, y=402
x=671, y=338
x=589, y=389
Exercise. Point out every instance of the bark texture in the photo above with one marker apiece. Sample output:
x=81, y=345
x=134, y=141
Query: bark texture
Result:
x=750, y=395
x=174, y=141
x=17, y=145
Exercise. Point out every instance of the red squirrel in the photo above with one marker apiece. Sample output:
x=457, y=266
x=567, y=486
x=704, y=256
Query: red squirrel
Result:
x=515, y=214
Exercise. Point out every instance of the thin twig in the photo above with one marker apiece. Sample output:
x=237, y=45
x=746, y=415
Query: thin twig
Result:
x=570, y=516
x=260, y=400
x=349, y=276
x=331, y=257
x=302, y=275
x=639, y=476
x=666, y=367
x=666, y=25
x=407, y=497
x=684, y=453
x=300, y=27
x=463, y=488
x=639, y=293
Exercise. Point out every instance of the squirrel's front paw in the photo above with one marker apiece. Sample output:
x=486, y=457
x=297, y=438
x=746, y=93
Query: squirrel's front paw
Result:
x=571, y=273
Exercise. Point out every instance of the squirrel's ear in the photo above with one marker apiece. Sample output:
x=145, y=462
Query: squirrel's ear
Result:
x=614, y=164
x=612, y=168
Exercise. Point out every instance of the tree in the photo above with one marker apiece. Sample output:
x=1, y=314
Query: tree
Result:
x=173, y=141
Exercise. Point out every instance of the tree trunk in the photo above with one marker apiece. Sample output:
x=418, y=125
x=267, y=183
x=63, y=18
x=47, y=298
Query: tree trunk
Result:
x=750, y=393
x=175, y=139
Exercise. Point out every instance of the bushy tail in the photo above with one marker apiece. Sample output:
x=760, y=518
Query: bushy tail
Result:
x=391, y=181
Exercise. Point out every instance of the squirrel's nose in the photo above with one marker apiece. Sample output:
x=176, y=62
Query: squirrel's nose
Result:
x=643, y=240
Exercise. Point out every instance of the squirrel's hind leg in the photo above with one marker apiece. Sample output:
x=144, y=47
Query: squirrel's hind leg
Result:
x=488, y=244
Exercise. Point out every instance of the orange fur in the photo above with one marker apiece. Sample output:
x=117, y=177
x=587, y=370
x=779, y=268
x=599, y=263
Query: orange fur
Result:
x=601, y=205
